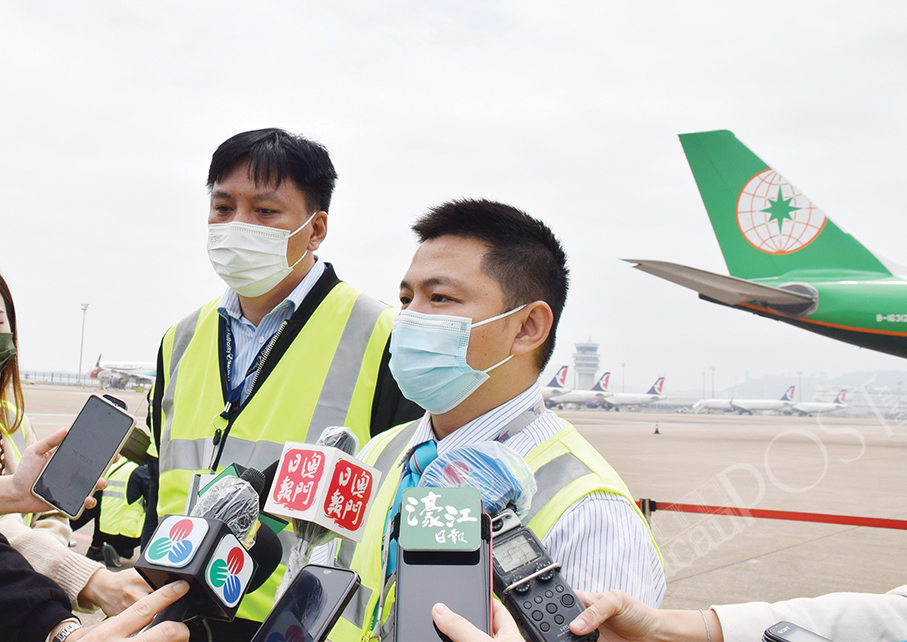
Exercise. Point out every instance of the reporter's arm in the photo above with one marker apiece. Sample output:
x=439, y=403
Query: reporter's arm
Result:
x=31, y=604
x=622, y=618
x=136, y=617
x=836, y=616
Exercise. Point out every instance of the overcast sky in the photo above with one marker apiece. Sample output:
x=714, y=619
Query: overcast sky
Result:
x=569, y=110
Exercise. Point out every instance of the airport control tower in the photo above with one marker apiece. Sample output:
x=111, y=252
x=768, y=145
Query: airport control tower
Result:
x=585, y=360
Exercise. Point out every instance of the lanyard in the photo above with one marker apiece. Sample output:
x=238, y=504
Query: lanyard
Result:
x=234, y=395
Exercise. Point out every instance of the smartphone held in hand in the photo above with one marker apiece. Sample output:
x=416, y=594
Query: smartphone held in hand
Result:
x=80, y=460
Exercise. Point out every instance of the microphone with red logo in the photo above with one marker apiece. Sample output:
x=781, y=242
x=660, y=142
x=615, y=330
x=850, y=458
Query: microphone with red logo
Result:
x=206, y=550
x=324, y=490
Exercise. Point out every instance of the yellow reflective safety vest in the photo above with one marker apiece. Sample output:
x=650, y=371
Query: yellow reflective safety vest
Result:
x=118, y=516
x=322, y=372
x=19, y=440
x=566, y=468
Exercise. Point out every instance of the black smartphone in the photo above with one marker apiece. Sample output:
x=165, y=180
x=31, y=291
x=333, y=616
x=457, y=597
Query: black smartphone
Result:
x=87, y=450
x=311, y=605
x=787, y=632
x=459, y=579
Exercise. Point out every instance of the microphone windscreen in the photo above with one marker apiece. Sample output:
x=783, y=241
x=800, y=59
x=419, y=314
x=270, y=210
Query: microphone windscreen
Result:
x=231, y=500
x=502, y=477
x=339, y=437
x=255, y=478
x=267, y=552
x=268, y=474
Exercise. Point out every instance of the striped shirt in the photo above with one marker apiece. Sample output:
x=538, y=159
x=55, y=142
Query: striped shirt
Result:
x=600, y=541
x=249, y=340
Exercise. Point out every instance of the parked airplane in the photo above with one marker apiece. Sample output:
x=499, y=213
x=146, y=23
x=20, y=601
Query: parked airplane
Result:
x=120, y=374
x=747, y=406
x=787, y=260
x=618, y=400
x=811, y=407
x=557, y=385
x=598, y=392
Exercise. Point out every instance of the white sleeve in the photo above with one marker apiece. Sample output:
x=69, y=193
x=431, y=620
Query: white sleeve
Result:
x=840, y=617
x=603, y=544
x=325, y=554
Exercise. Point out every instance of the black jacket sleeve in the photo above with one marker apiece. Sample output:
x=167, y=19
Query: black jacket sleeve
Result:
x=32, y=605
x=139, y=485
x=156, y=396
x=389, y=407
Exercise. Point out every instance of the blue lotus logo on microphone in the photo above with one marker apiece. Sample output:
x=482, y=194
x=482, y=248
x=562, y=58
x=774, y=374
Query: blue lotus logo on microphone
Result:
x=229, y=571
x=179, y=543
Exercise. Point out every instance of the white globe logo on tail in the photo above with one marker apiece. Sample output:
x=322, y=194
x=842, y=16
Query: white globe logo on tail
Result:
x=775, y=217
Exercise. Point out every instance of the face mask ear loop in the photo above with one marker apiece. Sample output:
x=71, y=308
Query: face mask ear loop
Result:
x=499, y=363
x=500, y=316
x=308, y=220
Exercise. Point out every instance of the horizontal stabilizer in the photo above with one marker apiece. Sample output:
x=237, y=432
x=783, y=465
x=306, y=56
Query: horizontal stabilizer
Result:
x=726, y=289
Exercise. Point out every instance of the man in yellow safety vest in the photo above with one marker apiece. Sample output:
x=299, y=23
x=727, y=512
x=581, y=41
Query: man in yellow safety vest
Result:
x=288, y=350
x=481, y=303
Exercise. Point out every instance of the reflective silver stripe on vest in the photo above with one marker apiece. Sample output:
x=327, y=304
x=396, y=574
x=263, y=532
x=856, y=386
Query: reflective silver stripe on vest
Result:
x=552, y=478
x=182, y=335
x=337, y=392
x=113, y=493
x=188, y=454
x=19, y=440
x=355, y=610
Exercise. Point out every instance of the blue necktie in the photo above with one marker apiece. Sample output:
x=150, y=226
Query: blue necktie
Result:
x=422, y=456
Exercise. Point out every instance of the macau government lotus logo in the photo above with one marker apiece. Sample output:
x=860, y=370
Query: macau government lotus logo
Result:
x=229, y=570
x=292, y=634
x=775, y=217
x=178, y=541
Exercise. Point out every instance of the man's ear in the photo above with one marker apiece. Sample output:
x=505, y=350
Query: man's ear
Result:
x=537, y=319
x=319, y=231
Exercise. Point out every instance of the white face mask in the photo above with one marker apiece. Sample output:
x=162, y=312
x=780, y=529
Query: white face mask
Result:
x=251, y=259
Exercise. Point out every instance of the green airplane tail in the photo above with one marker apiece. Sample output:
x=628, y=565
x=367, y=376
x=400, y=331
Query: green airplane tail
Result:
x=764, y=225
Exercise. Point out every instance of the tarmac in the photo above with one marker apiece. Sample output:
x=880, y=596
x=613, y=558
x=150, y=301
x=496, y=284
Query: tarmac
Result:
x=827, y=465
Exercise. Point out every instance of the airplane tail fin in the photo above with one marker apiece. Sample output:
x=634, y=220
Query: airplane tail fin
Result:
x=765, y=226
x=657, y=387
x=789, y=395
x=602, y=384
x=560, y=379
x=841, y=398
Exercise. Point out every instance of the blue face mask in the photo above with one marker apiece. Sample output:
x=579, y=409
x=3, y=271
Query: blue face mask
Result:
x=428, y=359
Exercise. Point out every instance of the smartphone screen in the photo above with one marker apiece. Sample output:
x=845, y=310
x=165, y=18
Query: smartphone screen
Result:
x=87, y=450
x=461, y=580
x=311, y=605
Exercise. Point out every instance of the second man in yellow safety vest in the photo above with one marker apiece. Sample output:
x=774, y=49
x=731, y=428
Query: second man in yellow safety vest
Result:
x=481, y=302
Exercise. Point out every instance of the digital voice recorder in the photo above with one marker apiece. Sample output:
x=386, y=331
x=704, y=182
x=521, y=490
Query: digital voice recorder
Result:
x=530, y=584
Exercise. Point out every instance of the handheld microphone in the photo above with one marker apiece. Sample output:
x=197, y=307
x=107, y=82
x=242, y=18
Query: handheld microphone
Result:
x=205, y=549
x=324, y=490
x=526, y=579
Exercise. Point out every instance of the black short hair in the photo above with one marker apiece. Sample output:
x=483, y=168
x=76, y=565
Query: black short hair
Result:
x=524, y=256
x=276, y=154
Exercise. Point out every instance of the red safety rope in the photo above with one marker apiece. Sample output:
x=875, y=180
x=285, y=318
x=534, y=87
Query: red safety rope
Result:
x=874, y=522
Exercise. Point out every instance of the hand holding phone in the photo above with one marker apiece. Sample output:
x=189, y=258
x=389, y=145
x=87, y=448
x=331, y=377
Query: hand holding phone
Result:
x=75, y=467
x=16, y=490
